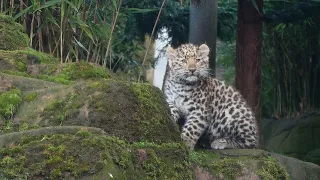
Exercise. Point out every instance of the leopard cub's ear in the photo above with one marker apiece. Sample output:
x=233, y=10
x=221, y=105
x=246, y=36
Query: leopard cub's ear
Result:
x=204, y=50
x=171, y=55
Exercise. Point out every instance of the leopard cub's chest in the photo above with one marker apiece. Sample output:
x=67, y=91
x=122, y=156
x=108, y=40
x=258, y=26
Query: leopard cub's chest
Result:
x=184, y=99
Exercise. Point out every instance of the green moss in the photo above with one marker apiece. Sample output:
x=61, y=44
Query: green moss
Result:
x=47, y=67
x=153, y=112
x=113, y=106
x=16, y=73
x=55, y=111
x=60, y=78
x=13, y=61
x=272, y=170
x=17, y=60
x=220, y=167
x=20, y=57
x=64, y=74
x=11, y=34
x=9, y=103
x=234, y=166
x=84, y=70
x=83, y=133
x=9, y=127
x=30, y=96
x=227, y=168
x=36, y=56
x=72, y=156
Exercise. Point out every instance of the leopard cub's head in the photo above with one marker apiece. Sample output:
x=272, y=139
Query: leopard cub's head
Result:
x=188, y=63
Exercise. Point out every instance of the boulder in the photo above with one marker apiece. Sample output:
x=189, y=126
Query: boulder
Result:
x=75, y=152
x=296, y=137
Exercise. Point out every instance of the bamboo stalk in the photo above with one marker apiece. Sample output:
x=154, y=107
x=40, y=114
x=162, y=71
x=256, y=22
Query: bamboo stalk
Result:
x=89, y=51
x=112, y=29
x=31, y=30
x=40, y=37
x=149, y=44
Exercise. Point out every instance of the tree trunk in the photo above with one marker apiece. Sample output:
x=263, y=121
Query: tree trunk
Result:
x=248, y=54
x=203, y=26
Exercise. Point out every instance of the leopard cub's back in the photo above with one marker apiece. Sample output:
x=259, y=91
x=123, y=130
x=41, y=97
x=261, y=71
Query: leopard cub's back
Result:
x=232, y=118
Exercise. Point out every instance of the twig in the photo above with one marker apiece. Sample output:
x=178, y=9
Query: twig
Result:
x=154, y=27
x=112, y=29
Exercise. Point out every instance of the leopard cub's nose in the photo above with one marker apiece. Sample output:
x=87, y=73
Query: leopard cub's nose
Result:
x=192, y=70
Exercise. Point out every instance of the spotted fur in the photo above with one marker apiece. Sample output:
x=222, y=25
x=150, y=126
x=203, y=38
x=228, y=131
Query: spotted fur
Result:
x=210, y=107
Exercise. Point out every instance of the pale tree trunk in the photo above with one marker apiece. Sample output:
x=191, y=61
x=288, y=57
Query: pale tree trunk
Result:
x=248, y=54
x=203, y=26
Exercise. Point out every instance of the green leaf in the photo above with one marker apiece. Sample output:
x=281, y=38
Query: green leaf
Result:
x=26, y=10
x=50, y=3
x=51, y=19
x=138, y=10
x=114, y=2
x=87, y=31
x=72, y=5
x=72, y=50
x=80, y=44
x=84, y=27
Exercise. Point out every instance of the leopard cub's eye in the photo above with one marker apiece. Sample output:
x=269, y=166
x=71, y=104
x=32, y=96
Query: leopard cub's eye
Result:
x=198, y=59
x=182, y=60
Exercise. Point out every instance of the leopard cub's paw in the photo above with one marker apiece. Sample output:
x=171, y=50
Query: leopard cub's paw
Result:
x=219, y=144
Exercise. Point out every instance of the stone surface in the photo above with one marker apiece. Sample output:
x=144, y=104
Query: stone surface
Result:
x=297, y=137
x=298, y=169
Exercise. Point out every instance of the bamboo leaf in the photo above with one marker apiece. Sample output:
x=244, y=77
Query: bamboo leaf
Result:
x=72, y=5
x=84, y=27
x=114, y=2
x=87, y=31
x=80, y=44
x=138, y=10
x=51, y=19
x=72, y=50
x=49, y=4
x=26, y=10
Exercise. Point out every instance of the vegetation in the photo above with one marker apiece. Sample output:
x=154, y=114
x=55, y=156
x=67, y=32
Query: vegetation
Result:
x=9, y=103
x=110, y=33
x=289, y=54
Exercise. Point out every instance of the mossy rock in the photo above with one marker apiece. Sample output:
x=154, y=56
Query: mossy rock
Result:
x=11, y=34
x=88, y=154
x=35, y=64
x=69, y=152
x=134, y=112
x=19, y=60
x=237, y=164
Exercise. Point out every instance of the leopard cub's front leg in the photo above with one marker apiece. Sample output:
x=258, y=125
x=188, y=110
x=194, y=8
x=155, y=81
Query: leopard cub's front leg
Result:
x=175, y=115
x=193, y=129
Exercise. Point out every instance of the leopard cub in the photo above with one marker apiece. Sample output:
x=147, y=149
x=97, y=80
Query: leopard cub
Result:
x=210, y=107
